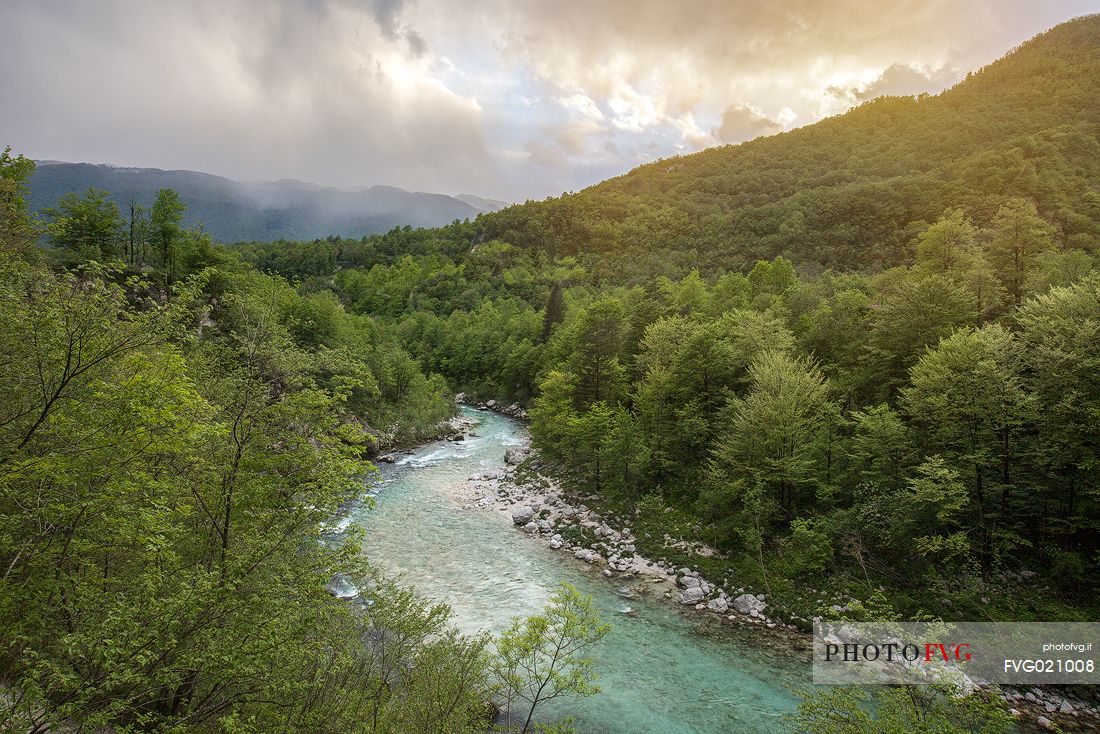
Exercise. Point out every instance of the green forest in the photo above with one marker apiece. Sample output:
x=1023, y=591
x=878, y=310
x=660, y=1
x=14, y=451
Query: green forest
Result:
x=864, y=353
x=900, y=391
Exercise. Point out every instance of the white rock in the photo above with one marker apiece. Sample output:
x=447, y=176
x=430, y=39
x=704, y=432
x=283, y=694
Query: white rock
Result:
x=748, y=604
x=719, y=605
x=586, y=555
x=522, y=514
x=694, y=595
x=515, y=454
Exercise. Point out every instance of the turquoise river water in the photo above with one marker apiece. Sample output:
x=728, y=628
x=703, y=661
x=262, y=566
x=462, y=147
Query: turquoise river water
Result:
x=661, y=672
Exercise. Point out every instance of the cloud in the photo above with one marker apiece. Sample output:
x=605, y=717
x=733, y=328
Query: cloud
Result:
x=582, y=104
x=901, y=80
x=742, y=122
x=329, y=91
x=504, y=98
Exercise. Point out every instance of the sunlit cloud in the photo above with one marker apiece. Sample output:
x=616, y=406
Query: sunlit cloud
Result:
x=496, y=97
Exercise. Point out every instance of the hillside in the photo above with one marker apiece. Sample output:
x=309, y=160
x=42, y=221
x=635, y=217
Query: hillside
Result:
x=234, y=210
x=850, y=190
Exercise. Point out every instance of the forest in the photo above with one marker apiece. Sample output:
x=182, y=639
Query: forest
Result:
x=900, y=391
x=863, y=354
x=176, y=431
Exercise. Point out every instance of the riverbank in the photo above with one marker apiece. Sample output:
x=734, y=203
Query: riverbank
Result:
x=537, y=504
x=525, y=492
x=661, y=671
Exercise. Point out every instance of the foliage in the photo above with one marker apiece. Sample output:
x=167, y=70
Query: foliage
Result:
x=544, y=657
x=167, y=461
x=897, y=710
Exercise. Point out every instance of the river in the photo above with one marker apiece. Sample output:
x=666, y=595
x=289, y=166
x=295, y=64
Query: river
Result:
x=661, y=672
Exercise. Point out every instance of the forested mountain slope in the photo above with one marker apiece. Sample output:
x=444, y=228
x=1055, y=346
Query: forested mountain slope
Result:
x=846, y=191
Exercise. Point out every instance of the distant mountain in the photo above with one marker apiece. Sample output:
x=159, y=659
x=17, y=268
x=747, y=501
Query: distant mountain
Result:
x=233, y=211
x=483, y=204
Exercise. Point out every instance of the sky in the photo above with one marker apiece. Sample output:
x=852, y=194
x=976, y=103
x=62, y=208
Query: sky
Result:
x=510, y=99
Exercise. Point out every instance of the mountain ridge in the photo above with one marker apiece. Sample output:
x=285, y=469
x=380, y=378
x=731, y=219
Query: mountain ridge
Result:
x=848, y=191
x=233, y=210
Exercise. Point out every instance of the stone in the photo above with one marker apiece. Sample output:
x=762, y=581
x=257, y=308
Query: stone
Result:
x=531, y=527
x=522, y=514
x=688, y=582
x=515, y=454
x=1045, y=723
x=747, y=604
x=719, y=605
x=555, y=544
x=608, y=572
x=1065, y=708
x=694, y=595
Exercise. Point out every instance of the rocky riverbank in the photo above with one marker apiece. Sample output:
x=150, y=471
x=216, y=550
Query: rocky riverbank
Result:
x=537, y=505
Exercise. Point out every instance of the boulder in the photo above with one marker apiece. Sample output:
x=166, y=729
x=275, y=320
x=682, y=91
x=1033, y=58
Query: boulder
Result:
x=531, y=527
x=748, y=604
x=522, y=514
x=515, y=454
x=719, y=605
x=694, y=595
x=688, y=582
x=585, y=555
x=1045, y=723
x=1065, y=709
